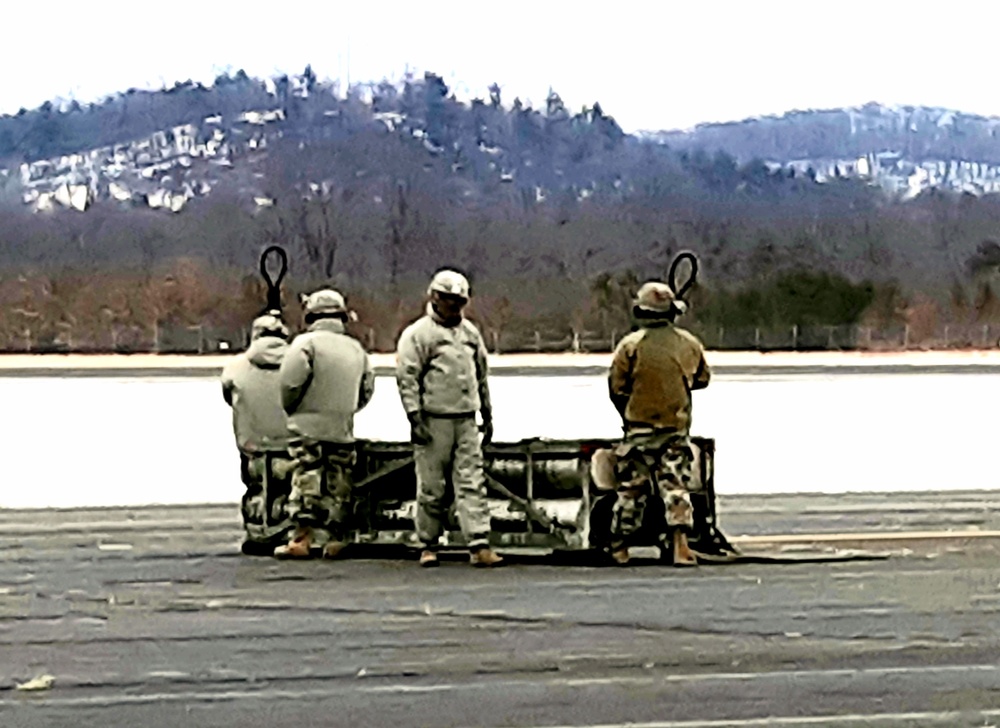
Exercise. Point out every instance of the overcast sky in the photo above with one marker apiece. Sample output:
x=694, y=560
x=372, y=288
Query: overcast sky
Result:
x=652, y=65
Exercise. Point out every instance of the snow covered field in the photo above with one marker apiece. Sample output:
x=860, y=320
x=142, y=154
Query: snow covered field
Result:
x=129, y=439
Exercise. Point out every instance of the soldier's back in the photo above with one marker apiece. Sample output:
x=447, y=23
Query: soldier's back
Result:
x=666, y=361
x=259, y=420
x=326, y=411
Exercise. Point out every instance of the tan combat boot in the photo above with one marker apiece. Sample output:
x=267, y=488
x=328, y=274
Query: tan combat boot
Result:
x=620, y=556
x=332, y=549
x=428, y=558
x=683, y=555
x=485, y=557
x=298, y=547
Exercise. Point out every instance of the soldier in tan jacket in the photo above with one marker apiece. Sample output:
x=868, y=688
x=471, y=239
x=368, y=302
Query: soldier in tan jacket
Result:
x=652, y=375
x=326, y=378
x=252, y=387
x=442, y=374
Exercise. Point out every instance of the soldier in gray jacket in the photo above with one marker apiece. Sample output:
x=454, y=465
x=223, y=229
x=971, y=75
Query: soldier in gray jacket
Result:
x=441, y=372
x=251, y=386
x=326, y=377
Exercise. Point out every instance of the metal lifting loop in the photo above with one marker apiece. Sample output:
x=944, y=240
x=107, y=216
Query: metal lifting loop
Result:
x=672, y=277
x=274, y=287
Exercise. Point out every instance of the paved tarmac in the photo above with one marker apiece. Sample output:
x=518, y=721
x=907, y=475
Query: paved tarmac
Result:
x=151, y=617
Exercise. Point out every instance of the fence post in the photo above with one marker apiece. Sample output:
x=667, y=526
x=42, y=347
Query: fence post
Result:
x=538, y=341
x=756, y=338
x=156, y=337
x=946, y=341
x=906, y=336
x=576, y=342
x=614, y=336
x=795, y=336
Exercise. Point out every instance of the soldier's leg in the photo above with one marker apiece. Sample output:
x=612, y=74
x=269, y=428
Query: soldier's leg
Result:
x=305, y=499
x=253, y=505
x=338, y=484
x=265, y=511
x=429, y=463
x=277, y=489
x=626, y=515
x=470, y=492
x=674, y=477
x=632, y=474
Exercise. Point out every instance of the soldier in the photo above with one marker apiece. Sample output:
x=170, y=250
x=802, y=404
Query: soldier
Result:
x=652, y=375
x=251, y=386
x=326, y=378
x=441, y=372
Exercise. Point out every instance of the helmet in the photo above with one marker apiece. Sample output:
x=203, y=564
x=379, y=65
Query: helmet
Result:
x=268, y=325
x=325, y=301
x=450, y=282
x=655, y=297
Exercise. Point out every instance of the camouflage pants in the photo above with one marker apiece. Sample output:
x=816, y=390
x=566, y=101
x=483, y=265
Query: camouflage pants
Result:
x=652, y=462
x=454, y=451
x=321, y=487
x=264, y=504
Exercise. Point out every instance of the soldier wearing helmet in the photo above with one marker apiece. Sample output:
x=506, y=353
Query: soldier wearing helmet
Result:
x=652, y=375
x=326, y=378
x=251, y=386
x=442, y=372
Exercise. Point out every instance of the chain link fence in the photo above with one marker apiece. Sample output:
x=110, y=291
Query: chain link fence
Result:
x=131, y=339
x=215, y=340
x=792, y=338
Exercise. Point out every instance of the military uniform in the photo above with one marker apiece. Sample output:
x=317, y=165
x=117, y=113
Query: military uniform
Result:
x=442, y=378
x=326, y=378
x=653, y=372
x=251, y=386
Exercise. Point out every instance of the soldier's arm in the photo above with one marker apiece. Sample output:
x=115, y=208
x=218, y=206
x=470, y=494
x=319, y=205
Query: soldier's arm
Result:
x=227, y=387
x=409, y=367
x=483, y=375
x=702, y=375
x=620, y=375
x=367, y=384
x=295, y=373
x=228, y=381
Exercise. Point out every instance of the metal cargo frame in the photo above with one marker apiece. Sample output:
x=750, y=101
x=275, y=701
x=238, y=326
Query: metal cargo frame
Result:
x=540, y=494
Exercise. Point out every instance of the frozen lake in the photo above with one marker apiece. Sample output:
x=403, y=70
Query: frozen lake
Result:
x=132, y=441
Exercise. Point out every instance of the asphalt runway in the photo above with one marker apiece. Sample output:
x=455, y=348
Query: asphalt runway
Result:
x=151, y=617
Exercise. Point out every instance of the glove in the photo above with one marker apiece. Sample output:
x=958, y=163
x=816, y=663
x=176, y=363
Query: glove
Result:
x=487, y=428
x=420, y=434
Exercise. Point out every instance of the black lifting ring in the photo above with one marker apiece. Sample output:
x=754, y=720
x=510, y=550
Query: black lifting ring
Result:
x=274, y=286
x=672, y=277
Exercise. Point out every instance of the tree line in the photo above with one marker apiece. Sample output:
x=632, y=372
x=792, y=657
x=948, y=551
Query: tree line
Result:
x=556, y=216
